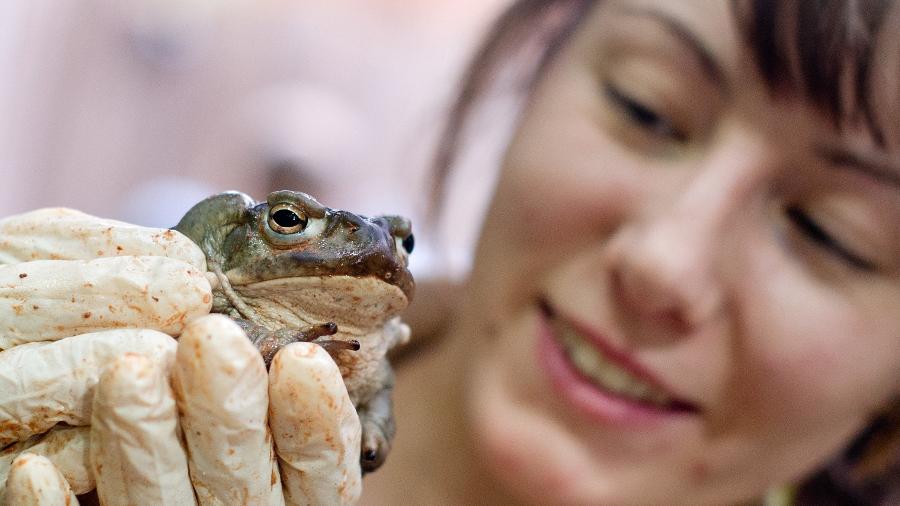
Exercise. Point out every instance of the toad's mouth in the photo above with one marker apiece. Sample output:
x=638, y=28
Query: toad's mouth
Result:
x=356, y=304
x=606, y=370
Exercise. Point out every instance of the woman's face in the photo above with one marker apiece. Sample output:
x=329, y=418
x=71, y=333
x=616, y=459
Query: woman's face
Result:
x=688, y=288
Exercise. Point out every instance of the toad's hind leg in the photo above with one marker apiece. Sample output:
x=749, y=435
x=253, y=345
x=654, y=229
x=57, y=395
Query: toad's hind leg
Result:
x=377, y=419
x=268, y=342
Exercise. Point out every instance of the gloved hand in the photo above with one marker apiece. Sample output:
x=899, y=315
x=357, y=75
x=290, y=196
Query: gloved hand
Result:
x=108, y=301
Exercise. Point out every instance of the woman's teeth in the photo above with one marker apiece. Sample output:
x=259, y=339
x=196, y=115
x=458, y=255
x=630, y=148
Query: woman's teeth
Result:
x=593, y=365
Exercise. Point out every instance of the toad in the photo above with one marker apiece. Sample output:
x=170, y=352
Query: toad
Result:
x=290, y=269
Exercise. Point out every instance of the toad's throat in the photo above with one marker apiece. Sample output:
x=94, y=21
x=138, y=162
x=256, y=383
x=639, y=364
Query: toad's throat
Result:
x=356, y=304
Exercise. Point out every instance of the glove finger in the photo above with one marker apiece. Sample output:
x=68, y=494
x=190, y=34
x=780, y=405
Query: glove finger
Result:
x=315, y=426
x=49, y=299
x=42, y=384
x=67, y=234
x=135, y=451
x=221, y=387
x=34, y=481
x=66, y=447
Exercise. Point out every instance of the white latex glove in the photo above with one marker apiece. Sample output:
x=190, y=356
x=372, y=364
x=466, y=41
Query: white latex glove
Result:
x=145, y=284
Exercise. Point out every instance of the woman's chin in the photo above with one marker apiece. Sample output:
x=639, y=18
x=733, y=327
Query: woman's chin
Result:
x=527, y=454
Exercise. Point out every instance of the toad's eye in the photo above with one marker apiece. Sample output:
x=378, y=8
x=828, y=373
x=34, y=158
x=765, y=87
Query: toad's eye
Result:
x=409, y=242
x=287, y=220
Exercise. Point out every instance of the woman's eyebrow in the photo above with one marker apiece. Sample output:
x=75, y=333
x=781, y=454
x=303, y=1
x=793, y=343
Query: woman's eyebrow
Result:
x=882, y=170
x=681, y=32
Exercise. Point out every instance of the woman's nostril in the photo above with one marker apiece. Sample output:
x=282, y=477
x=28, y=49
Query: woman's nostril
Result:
x=674, y=319
x=662, y=291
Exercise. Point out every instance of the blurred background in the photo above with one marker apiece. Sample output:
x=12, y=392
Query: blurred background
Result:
x=136, y=110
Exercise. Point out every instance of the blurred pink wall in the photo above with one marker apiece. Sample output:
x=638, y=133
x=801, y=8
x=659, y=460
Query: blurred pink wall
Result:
x=137, y=109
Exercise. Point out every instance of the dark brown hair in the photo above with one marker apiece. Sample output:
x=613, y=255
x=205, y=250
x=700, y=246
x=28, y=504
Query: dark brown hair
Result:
x=824, y=50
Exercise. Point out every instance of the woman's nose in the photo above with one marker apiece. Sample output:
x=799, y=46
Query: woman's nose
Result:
x=673, y=264
x=664, y=276
x=666, y=267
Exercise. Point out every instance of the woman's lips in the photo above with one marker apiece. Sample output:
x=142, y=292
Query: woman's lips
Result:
x=625, y=392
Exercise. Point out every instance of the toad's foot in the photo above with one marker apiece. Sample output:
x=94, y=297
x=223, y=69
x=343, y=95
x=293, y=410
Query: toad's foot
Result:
x=377, y=420
x=268, y=342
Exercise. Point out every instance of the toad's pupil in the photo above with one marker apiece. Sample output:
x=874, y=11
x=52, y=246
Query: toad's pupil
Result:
x=286, y=218
x=409, y=243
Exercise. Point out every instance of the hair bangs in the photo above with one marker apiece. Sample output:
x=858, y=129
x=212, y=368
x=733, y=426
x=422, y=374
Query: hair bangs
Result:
x=821, y=49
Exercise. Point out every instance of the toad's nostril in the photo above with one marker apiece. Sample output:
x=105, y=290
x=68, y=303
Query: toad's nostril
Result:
x=409, y=242
x=350, y=222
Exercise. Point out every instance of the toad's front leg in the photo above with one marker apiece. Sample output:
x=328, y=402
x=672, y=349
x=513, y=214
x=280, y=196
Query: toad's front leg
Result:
x=268, y=342
x=377, y=419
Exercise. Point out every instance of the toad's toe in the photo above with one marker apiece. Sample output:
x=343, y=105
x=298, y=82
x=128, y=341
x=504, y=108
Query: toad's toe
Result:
x=375, y=446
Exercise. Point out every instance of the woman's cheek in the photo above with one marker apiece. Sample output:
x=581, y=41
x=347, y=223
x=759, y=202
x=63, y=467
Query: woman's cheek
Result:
x=564, y=213
x=809, y=351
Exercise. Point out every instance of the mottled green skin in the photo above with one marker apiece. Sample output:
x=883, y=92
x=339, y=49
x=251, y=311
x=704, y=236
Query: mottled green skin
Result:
x=233, y=232
x=229, y=227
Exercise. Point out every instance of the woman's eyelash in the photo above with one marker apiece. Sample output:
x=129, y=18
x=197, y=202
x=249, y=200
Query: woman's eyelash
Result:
x=644, y=116
x=821, y=237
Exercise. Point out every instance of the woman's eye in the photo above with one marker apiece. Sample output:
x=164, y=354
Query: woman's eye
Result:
x=643, y=116
x=818, y=235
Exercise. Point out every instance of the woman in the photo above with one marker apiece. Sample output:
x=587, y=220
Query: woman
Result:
x=687, y=288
